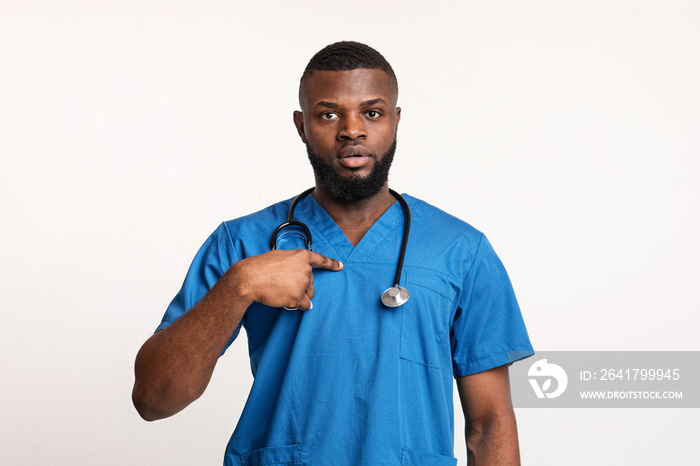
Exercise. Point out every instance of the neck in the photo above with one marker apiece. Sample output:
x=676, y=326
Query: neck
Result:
x=354, y=218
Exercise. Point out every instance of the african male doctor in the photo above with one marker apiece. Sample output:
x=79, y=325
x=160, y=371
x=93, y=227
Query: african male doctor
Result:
x=339, y=377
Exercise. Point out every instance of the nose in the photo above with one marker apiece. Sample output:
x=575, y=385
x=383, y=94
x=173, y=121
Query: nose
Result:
x=353, y=127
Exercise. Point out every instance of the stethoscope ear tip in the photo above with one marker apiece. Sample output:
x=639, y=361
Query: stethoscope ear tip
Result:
x=395, y=296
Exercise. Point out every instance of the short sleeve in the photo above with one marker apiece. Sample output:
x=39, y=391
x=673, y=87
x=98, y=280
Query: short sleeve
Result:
x=212, y=260
x=488, y=326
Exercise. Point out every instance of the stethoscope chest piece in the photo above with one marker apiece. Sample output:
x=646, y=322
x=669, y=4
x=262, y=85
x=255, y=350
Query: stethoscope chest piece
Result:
x=395, y=296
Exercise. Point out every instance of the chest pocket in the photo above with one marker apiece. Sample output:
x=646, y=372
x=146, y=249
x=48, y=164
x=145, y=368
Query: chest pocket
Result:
x=427, y=319
x=279, y=455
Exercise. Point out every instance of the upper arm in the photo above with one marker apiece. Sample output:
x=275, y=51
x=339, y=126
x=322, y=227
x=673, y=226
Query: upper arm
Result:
x=485, y=395
x=488, y=329
x=491, y=431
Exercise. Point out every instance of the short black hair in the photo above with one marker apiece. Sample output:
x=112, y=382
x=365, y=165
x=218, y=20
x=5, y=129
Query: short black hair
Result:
x=347, y=56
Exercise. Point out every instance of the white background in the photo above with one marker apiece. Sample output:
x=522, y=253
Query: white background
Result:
x=567, y=131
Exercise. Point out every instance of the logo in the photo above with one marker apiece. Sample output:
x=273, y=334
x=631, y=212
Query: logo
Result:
x=543, y=370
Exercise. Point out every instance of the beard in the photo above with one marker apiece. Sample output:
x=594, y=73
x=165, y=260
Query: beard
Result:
x=354, y=187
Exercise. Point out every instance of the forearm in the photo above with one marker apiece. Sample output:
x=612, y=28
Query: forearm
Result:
x=493, y=441
x=174, y=366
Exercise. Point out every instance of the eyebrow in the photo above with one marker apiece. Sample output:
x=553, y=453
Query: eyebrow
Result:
x=376, y=101
x=323, y=103
x=367, y=103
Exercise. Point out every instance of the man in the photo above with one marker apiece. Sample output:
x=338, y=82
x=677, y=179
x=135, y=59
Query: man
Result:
x=346, y=380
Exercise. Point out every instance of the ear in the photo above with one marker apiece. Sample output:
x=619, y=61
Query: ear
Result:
x=398, y=116
x=299, y=123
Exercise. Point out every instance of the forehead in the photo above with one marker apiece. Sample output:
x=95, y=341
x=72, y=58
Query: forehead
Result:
x=348, y=87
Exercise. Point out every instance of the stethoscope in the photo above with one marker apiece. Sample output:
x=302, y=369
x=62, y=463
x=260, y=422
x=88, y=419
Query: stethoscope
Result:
x=392, y=297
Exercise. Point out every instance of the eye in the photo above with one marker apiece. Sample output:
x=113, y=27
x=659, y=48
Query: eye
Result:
x=329, y=116
x=373, y=114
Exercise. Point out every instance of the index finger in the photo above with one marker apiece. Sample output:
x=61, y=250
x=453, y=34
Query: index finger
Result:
x=320, y=261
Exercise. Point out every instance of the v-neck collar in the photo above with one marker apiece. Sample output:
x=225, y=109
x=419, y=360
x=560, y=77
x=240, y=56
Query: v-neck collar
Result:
x=325, y=229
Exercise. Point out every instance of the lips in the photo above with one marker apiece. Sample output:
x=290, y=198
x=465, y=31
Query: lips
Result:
x=354, y=156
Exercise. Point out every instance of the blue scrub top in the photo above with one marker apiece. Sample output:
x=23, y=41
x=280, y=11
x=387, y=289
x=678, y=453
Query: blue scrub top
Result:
x=351, y=381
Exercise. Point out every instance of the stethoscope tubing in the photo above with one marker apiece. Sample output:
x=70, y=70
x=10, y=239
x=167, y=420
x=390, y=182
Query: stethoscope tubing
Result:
x=392, y=297
x=406, y=231
x=290, y=221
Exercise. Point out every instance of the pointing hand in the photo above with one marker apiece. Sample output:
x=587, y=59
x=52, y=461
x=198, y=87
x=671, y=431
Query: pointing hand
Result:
x=282, y=278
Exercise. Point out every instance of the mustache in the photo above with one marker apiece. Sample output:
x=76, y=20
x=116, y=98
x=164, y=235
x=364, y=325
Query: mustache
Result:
x=352, y=188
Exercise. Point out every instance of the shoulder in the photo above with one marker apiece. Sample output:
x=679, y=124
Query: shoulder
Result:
x=272, y=213
x=441, y=242
x=426, y=219
x=250, y=234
